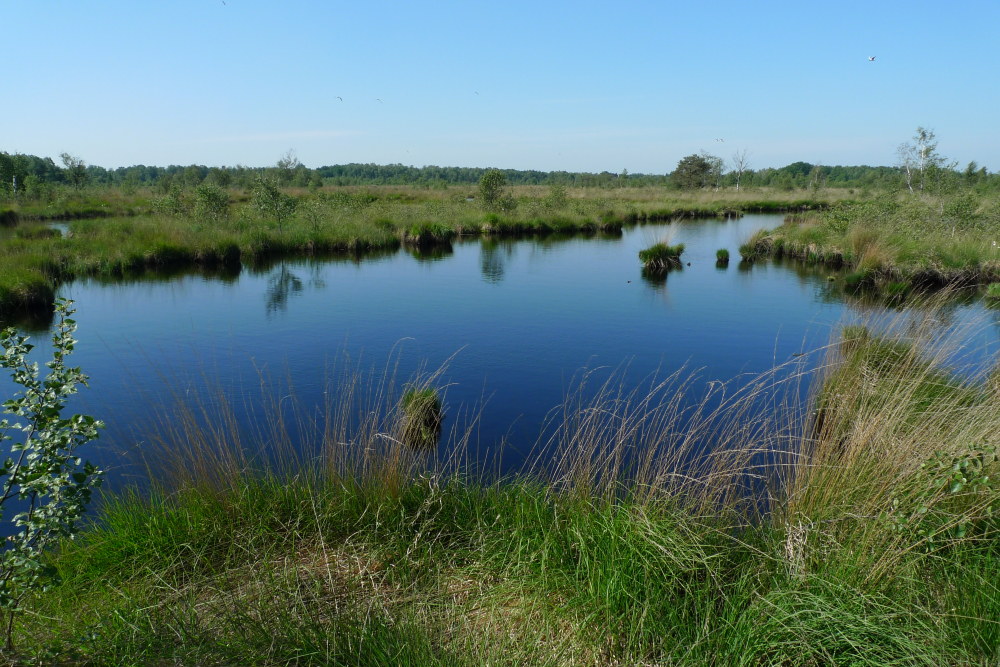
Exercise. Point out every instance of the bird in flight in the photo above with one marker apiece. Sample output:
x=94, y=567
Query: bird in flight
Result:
x=378, y=100
x=340, y=98
x=477, y=93
x=722, y=140
x=871, y=59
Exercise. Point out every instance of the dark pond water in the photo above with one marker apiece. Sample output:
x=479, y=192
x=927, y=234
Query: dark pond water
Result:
x=519, y=318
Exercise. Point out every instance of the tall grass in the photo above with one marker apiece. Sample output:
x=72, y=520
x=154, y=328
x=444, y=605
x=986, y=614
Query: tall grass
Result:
x=743, y=527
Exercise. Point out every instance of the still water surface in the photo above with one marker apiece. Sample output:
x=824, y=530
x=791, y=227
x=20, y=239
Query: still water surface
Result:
x=520, y=318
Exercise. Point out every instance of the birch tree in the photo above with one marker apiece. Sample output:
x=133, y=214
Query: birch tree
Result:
x=741, y=163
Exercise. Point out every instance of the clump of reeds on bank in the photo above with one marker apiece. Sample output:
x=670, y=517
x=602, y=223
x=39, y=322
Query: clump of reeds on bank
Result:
x=756, y=246
x=744, y=528
x=993, y=293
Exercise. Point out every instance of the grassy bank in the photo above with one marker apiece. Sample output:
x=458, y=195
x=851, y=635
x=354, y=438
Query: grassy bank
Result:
x=897, y=242
x=652, y=533
x=111, y=234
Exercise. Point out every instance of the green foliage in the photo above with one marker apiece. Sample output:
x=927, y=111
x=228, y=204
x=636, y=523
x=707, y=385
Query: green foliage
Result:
x=952, y=497
x=268, y=198
x=172, y=203
x=43, y=472
x=492, y=189
x=13, y=174
x=211, y=202
x=75, y=170
x=313, y=211
x=221, y=177
x=993, y=292
x=557, y=196
x=961, y=210
x=693, y=171
x=193, y=176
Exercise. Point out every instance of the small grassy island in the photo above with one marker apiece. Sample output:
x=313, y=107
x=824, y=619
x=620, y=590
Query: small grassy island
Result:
x=661, y=257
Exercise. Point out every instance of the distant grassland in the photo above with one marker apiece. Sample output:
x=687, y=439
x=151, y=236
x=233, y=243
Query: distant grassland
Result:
x=111, y=234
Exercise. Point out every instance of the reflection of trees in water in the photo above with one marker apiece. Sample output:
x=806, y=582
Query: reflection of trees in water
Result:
x=493, y=254
x=315, y=276
x=281, y=286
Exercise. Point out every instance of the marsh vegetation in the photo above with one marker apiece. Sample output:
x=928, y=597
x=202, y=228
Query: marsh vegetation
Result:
x=857, y=529
x=758, y=522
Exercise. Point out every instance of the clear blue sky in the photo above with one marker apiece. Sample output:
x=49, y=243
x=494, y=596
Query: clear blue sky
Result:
x=577, y=86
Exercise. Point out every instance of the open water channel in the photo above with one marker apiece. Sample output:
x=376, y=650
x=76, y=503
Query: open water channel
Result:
x=517, y=318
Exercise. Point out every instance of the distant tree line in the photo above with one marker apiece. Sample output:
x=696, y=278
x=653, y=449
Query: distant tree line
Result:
x=34, y=177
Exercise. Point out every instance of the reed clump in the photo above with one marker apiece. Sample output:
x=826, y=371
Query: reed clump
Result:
x=423, y=415
x=661, y=257
x=757, y=246
x=722, y=256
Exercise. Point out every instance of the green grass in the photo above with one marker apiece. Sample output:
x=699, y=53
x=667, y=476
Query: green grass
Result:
x=359, y=549
x=993, y=292
x=900, y=238
x=757, y=246
x=661, y=257
x=722, y=256
x=423, y=414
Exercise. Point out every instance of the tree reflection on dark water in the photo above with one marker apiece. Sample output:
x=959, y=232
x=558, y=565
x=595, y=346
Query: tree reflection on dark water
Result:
x=280, y=287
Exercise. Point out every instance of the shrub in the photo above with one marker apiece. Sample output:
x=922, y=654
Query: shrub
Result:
x=492, y=188
x=46, y=477
x=211, y=202
x=557, y=196
x=171, y=203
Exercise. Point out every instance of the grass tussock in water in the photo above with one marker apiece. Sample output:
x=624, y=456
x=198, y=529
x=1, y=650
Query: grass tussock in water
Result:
x=645, y=529
x=661, y=257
